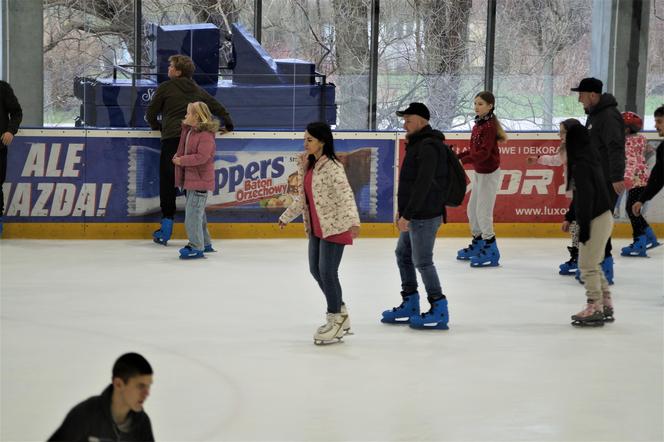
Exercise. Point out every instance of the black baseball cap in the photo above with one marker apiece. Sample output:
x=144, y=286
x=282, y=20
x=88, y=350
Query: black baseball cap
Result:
x=589, y=85
x=416, y=109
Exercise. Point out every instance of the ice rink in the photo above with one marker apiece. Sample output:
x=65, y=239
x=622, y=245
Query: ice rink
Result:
x=230, y=340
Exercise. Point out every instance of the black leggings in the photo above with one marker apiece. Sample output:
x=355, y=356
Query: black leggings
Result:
x=639, y=223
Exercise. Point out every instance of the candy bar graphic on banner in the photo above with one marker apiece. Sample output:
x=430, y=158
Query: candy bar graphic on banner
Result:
x=249, y=178
x=51, y=184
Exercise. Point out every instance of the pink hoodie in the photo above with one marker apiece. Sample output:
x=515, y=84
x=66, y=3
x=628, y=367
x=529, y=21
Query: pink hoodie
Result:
x=196, y=151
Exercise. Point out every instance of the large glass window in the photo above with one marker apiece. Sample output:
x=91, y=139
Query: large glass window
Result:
x=431, y=51
x=542, y=49
x=655, y=73
x=333, y=34
x=87, y=38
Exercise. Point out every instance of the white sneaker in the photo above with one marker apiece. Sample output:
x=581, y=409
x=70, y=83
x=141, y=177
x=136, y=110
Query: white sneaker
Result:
x=332, y=331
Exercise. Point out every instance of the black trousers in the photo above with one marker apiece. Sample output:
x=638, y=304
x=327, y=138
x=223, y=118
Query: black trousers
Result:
x=169, y=147
x=639, y=223
x=3, y=175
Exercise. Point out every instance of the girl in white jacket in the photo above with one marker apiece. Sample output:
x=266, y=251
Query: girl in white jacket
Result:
x=331, y=221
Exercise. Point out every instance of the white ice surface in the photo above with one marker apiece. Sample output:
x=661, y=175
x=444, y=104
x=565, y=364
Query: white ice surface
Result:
x=230, y=340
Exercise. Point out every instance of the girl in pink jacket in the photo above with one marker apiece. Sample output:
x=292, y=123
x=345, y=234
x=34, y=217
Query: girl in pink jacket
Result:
x=636, y=178
x=194, y=172
x=327, y=205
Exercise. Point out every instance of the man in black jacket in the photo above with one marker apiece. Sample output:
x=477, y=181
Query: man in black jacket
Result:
x=421, y=205
x=117, y=414
x=607, y=135
x=170, y=101
x=11, y=115
x=656, y=180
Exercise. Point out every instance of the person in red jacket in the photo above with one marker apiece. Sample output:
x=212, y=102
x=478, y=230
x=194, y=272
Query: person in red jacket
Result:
x=485, y=158
x=194, y=172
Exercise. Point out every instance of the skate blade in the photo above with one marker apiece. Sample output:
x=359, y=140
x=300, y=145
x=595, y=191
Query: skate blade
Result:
x=635, y=254
x=405, y=321
x=430, y=327
x=581, y=324
x=328, y=341
x=484, y=264
x=609, y=320
x=160, y=241
x=347, y=332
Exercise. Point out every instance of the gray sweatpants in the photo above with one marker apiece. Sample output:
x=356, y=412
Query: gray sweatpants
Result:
x=481, y=203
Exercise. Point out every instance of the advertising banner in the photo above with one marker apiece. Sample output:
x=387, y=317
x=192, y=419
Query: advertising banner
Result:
x=535, y=193
x=100, y=178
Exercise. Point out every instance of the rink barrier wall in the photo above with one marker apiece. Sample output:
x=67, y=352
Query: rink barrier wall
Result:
x=294, y=230
x=97, y=184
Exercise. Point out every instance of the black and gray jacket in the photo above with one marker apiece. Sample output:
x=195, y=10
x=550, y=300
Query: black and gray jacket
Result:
x=656, y=180
x=11, y=113
x=607, y=135
x=92, y=420
x=423, y=175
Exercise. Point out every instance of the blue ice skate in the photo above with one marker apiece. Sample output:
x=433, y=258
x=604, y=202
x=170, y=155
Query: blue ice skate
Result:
x=473, y=249
x=188, y=252
x=607, y=268
x=163, y=234
x=637, y=248
x=570, y=267
x=651, y=239
x=208, y=249
x=436, y=318
x=488, y=256
x=409, y=307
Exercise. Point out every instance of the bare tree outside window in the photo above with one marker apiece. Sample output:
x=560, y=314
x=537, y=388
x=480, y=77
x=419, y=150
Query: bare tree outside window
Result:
x=542, y=48
x=429, y=53
x=429, y=50
x=89, y=37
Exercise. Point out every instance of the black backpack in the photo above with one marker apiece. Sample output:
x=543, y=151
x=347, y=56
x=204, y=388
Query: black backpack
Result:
x=456, y=179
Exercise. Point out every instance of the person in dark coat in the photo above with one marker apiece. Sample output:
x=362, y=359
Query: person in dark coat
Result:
x=591, y=209
x=117, y=414
x=421, y=205
x=607, y=135
x=656, y=179
x=170, y=102
x=11, y=115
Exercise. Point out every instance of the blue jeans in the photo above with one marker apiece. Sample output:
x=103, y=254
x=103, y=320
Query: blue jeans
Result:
x=415, y=250
x=195, y=220
x=324, y=260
